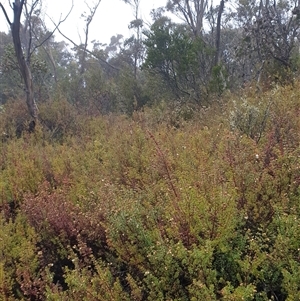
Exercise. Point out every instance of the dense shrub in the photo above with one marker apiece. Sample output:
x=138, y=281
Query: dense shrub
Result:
x=163, y=205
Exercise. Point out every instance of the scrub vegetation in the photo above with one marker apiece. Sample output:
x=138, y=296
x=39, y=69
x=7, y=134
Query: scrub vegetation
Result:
x=161, y=167
x=168, y=204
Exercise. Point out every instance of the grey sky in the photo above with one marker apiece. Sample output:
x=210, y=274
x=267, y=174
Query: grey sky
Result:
x=112, y=17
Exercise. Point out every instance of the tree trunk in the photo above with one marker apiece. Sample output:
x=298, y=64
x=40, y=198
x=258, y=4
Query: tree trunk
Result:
x=23, y=63
x=218, y=34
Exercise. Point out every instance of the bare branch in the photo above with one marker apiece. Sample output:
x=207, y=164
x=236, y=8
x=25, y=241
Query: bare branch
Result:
x=28, y=19
x=88, y=51
x=84, y=46
x=89, y=20
x=190, y=11
x=5, y=14
x=29, y=16
x=56, y=28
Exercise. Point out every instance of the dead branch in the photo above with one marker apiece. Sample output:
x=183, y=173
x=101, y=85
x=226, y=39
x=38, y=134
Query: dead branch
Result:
x=88, y=51
x=5, y=14
x=55, y=28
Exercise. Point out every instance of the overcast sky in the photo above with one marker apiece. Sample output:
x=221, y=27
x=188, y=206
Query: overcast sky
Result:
x=112, y=17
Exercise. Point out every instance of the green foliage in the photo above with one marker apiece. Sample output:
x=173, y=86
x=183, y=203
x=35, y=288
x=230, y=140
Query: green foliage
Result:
x=218, y=82
x=19, y=261
x=250, y=119
x=9, y=77
x=11, y=80
x=173, y=54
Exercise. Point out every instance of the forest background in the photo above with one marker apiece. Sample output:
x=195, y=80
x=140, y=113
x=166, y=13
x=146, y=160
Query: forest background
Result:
x=161, y=166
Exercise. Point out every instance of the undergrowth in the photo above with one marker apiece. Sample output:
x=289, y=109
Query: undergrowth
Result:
x=159, y=206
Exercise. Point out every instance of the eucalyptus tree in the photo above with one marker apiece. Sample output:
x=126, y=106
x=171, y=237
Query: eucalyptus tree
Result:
x=87, y=58
x=7, y=68
x=192, y=12
x=173, y=54
x=22, y=58
x=218, y=32
x=24, y=48
x=270, y=36
x=134, y=43
x=204, y=18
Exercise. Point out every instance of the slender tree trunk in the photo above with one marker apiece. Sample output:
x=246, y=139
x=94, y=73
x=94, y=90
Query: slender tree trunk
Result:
x=82, y=60
x=23, y=63
x=50, y=56
x=218, y=33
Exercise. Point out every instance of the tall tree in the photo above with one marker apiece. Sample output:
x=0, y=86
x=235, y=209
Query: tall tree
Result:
x=88, y=18
x=136, y=40
x=218, y=33
x=82, y=47
x=23, y=60
x=192, y=12
x=174, y=54
x=24, y=57
x=271, y=29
